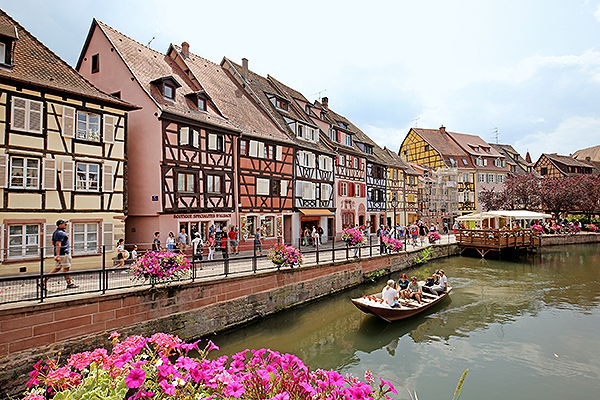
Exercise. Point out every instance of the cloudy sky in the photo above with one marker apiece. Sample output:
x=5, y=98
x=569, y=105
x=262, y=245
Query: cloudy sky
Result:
x=527, y=69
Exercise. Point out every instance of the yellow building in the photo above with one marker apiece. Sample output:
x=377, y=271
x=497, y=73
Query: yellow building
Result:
x=435, y=149
x=62, y=156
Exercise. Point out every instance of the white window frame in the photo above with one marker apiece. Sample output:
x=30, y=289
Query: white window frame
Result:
x=344, y=188
x=28, y=240
x=84, y=127
x=88, y=177
x=357, y=190
x=82, y=243
x=211, y=183
x=24, y=173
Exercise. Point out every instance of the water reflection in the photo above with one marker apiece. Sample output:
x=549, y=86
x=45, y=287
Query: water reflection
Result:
x=510, y=316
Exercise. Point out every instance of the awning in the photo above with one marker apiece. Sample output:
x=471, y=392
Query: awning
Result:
x=516, y=214
x=315, y=211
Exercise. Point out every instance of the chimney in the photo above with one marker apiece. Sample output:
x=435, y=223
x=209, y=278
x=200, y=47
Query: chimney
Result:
x=325, y=102
x=443, y=130
x=185, y=49
x=245, y=67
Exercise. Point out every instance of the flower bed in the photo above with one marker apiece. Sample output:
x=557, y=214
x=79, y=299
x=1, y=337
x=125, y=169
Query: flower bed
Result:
x=354, y=237
x=392, y=244
x=282, y=255
x=159, y=367
x=160, y=267
x=537, y=228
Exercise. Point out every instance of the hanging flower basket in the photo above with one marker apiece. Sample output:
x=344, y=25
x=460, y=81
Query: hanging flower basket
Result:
x=433, y=237
x=354, y=237
x=160, y=267
x=392, y=244
x=285, y=256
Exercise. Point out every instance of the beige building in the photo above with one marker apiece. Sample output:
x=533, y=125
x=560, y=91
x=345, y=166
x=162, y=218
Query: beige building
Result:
x=62, y=155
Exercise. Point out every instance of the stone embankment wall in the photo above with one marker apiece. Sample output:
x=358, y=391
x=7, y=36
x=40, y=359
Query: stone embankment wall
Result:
x=579, y=238
x=189, y=310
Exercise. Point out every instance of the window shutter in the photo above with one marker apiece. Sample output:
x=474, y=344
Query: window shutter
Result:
x=312, y=160
x=279, y=153
x=307, y=190
x=364, y=190
x=184, y=137
x=301, y=158
x=108, y=236
x=68, y=122
x=329, y=164
x=196, y=139
x=299, y=188
x=338, y=136
x=340, y=188
x=350, y=189
x=253, y=148
x=212, y=141
x=337, y=160
x=261, y=150
x=109, y=128
x=283, y=189
x=49, y=174
x=324, y=192
x=2, y=241
x=313, y=194
x=471, y=196
x=3, y=170
x=35, y=116
x=485, y=162
x=68, y=176
x=107, y=177
x=352, y=161
x=49, y=229
x=19, y=112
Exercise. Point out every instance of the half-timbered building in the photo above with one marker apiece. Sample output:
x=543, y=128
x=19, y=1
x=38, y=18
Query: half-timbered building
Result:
x=399, y=212
x=62, y=156
x=433, y=148
x=182, y=147
x=313, y=181
x=350, y=165
x=552, y=165
x=490, y=165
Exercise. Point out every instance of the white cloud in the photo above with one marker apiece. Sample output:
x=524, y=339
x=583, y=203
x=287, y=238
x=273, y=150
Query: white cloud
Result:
x=570, y=135
x=597, y=13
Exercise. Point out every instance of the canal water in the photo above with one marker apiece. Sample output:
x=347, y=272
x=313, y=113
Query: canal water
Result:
x=526, y=327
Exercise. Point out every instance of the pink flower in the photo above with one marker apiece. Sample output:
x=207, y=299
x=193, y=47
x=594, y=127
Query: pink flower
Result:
x=235, y=389
x=369, y=377
x=135, y=378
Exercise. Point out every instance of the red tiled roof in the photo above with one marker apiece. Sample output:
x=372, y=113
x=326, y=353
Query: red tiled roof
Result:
x=445, y=146
x=147, y=65
x=37, y=65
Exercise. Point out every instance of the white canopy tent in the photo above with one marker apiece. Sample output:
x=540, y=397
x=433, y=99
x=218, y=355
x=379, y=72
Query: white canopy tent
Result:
x=511, y=215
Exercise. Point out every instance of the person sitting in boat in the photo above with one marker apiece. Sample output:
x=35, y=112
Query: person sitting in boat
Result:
x=414, y=290
x=441, y=286
x=402, y=285
x=389, y=294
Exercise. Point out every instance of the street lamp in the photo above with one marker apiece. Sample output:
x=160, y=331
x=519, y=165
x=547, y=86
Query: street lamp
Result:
x=394, y=203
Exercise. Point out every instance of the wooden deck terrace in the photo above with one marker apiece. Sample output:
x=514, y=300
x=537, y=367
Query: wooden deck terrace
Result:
x=485, y=240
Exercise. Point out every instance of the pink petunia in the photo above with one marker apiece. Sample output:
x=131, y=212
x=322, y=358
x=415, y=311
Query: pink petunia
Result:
x=135, y=378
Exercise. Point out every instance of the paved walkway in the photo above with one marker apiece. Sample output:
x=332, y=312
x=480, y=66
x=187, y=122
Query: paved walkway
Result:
x=14, y=292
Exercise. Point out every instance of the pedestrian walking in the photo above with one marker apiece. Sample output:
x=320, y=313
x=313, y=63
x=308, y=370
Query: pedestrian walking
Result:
x=170, y=242
x=182, y=238
x=224, y=249
x=62, y=253
x=234, y=240
x=134, y=253
x=211, y=246
x=257, y=243
x=197, y=249
x=156, y=242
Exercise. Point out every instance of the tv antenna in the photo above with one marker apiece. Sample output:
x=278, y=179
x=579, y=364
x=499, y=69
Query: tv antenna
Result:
x=153, y=37
x=496, y=134
x=416, y=121
x=318, y=94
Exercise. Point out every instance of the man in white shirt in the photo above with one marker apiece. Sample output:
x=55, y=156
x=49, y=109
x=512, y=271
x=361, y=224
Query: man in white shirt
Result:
x=442, y=286
x=389, y=294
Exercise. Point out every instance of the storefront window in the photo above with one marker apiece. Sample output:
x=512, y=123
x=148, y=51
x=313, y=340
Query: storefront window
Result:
x=270, y=226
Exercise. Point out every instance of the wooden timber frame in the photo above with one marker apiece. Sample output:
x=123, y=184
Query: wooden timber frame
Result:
x=485, y=240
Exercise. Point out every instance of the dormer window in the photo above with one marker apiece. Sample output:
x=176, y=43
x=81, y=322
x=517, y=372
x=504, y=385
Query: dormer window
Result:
x=8, y=37
x=476, y=148
x=281, y=104
x=487, y=149
x=167, y=86
x=464, y=160
x=348, y=140
x=199, y=99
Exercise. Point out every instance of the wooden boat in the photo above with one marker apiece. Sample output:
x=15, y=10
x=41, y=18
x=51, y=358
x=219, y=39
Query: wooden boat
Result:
x=374, y=304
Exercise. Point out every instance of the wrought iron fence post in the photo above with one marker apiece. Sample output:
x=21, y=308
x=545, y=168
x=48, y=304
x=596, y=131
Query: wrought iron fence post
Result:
x=317, y=256
x=347, y=255
x=254, y=260
x=226, y=266
x=103, y=274
x=42, y=284
x=370, y=245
